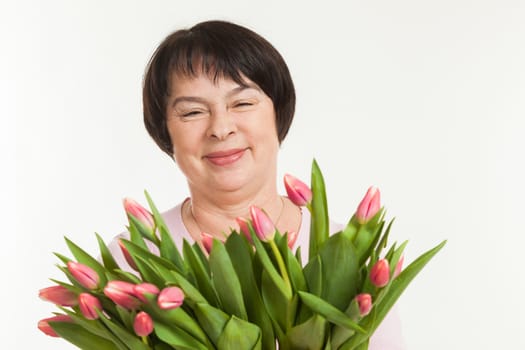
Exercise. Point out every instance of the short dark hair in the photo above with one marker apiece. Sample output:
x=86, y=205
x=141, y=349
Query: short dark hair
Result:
x=220, y=49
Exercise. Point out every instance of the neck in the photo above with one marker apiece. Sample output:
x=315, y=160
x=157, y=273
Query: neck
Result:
x=215, y=213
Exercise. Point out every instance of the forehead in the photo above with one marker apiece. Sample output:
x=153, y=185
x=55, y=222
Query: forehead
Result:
x=202, y=83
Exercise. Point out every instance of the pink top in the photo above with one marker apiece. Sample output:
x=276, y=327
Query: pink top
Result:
x=388, y=335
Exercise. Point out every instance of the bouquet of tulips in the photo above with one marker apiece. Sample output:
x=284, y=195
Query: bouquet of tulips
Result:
x=250, y=291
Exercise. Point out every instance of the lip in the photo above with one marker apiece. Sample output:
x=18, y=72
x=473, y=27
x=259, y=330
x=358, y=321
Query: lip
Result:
x=225, y=157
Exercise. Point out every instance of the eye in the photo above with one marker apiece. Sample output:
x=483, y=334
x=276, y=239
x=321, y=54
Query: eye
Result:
x=243, y=104
x=191, y=114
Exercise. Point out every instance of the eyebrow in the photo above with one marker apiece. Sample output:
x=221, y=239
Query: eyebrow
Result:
x=230, y=93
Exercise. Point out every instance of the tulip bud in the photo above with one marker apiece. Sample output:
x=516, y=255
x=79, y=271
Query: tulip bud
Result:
x=142, y=288
x=262, y=225
x=170, y=298
x=46, y=328
x=369, y=206
x=127, y=256
x=399, y=266
x=84, y=275
x=143, y=324
x=380, y=273
x=292, y=237
x=59, y=295
x=89, y=305
x=364, y=300
x=244, y=227
x=123, y=294
x=207, y=241
x=139, y=212
x=298, y=192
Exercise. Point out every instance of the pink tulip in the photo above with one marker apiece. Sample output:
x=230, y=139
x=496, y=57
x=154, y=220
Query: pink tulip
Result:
x=123, y=294
x=89, y=305
x=59, y=295
x=144, y=288
x=44, y=326
x=244, y=227
x=262, y=225
x=127, y=256
x=399, y=266
x=207, y=241
x=143, y=324
x=84, y=275
x=369, y=206
x=298, y=192
x=139, y=212
x=380, y=273
x=170, y=298
x=364, y=300
x=292, y=237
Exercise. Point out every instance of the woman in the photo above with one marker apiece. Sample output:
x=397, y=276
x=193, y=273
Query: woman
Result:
x=219, y=99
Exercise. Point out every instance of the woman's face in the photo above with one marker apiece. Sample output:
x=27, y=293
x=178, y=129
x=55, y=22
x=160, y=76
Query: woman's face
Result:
x=223, y=134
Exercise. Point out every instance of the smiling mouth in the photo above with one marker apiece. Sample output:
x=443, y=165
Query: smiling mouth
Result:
x=222, y=158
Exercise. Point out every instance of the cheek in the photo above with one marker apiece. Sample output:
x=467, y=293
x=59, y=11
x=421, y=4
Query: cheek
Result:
x=182, y=137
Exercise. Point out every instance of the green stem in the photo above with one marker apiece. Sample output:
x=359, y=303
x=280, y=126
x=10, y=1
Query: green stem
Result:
x=145, y=340
x=281, y=265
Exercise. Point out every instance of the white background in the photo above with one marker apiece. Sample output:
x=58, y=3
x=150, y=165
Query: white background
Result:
x=424, y=99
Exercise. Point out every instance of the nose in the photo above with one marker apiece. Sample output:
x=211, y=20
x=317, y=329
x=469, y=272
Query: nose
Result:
x=222, y=125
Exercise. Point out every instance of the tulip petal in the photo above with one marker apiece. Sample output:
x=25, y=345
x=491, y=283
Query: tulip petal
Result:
x=298, y=192
x=263, y=226
x=170, y=298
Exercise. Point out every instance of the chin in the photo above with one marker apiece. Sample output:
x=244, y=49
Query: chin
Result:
x=231, y=182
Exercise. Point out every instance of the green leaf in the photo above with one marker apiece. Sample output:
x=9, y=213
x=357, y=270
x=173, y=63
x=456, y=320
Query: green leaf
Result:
x=384, y=239
x=397, y=286
x=177, y=317
x=226, y=282
x=241, y=255
x=144, y=231
x=126, y=276
x=80, y=337
x=200, y=254
x=340, y=335
x=136, y=237
x=313, y=273
x=280, y=308
x=146, y=255
x=368, y=235
x=298, y=256
x=107, y=257
x=127, y=317
x=192, y=294
x=177, y=337
x=199, y=271
x=131, y=340
x=168, y=250
x=319, y=224
x=159, y=221
x=294, y=268
x=212, y=320
x=340, y=270
x=309, y=335
x=95, y=327
x=148, y=272
x=329, y=312
x=396, y=256
x=63, y=258
x=239, y=334
x=88, y=260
